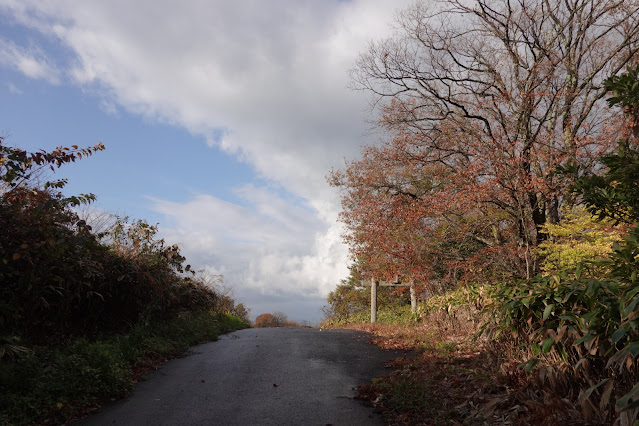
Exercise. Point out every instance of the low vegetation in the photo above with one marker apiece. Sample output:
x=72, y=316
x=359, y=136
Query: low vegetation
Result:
x=84, y=313
x=276, y=319
x=58, y=382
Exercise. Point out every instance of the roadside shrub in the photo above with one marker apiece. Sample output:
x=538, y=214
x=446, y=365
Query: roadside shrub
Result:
x=50, y=261
x=56, y=383
x=582, y=322
x=266, y=320
x=48, y=380
x=78, y=309
x=60, y=279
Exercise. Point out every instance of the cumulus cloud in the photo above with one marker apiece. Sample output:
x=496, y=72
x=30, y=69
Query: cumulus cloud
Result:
x=270, y=249
x=263, y=81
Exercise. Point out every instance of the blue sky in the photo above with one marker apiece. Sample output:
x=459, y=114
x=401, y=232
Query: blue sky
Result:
x=221, y=120
x=143, y=156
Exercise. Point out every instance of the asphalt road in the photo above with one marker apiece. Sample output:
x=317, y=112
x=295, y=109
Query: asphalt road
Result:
x=266, y=376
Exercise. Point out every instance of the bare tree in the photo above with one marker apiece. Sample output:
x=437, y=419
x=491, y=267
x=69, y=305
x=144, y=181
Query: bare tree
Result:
x=280, y=318
x=241, y=311
x=505, y=89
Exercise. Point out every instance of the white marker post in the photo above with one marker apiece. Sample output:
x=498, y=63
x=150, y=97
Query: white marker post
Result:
x=413, y=299
x=373, y=301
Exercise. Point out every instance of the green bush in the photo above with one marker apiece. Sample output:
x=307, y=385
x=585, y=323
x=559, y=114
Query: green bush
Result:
x=471, y=295
x=59, y=382
x=385, y=315
x=588, y=324
x=59, y=279
x=51, y=381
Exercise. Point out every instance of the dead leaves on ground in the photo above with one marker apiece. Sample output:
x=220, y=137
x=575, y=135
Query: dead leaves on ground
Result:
x=457, y=386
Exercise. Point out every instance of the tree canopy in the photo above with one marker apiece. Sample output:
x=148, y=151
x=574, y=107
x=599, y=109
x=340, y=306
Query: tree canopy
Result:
x=484, y=103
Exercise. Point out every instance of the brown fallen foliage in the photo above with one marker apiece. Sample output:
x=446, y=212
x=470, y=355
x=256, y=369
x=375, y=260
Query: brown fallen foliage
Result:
x=455, y=379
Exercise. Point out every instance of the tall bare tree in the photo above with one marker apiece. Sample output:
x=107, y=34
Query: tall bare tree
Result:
x=505, y=90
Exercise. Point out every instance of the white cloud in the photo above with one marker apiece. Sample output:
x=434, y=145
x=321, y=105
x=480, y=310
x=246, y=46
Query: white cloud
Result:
x=30, y=61
x=270, y=249
x=265, y=81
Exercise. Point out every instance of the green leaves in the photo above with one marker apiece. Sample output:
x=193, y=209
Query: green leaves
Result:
x=619, y=334
x=625, y=88
x=547, y=344
x=615, y=194
x=624, y=401
x=564, y=313
x=547, y=311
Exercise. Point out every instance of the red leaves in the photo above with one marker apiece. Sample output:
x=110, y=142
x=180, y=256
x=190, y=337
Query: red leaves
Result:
x=448, y=195
x=17, y=166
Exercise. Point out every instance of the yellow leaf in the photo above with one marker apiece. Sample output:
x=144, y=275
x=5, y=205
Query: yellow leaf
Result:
x=15, y=256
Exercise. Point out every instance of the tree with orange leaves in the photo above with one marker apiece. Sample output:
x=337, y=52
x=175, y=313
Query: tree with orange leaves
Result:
x=485, y=100
x=505, y=90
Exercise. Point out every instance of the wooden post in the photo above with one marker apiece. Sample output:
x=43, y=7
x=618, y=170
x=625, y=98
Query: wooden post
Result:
x=413, y=299
x=373, y=301
x=374, y=284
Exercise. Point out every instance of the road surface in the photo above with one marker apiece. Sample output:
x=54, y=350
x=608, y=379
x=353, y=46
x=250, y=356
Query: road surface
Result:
x=263, y=376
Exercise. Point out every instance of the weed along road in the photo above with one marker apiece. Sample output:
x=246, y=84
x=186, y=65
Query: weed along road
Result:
x=262, y=376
